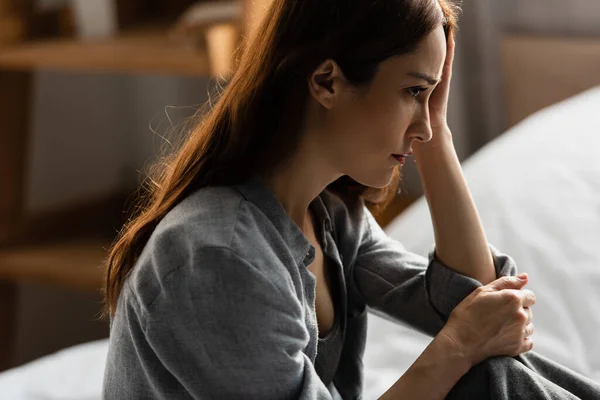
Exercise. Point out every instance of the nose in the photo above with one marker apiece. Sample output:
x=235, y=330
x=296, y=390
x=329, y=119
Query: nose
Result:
x=420, y=129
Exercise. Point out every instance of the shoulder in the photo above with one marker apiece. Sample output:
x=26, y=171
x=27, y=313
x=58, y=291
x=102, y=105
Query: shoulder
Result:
x=213, y=235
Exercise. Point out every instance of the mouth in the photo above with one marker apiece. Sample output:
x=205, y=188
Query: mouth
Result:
x=401, y=158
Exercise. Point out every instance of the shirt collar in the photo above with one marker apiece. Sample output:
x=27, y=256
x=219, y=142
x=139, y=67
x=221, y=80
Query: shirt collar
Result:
x=257, y=192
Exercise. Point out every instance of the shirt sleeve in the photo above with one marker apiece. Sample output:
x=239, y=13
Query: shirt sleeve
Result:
x=226, y=329
x=419, y=291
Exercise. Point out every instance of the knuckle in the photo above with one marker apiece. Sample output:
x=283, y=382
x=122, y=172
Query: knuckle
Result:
x=521, y=316
x=510, y=279
x=528, y=331
x=512, y=298
x=533, y=298
x=479, y=290
x=527, y=346
x=530, y=296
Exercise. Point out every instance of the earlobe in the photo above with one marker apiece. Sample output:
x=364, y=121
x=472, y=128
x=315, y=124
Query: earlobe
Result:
x=322, y=83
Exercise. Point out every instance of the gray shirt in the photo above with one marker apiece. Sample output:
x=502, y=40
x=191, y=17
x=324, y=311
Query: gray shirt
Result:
x=221, y=305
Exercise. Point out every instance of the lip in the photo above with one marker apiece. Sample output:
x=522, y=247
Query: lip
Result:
x=400, y=158
x=402, y=154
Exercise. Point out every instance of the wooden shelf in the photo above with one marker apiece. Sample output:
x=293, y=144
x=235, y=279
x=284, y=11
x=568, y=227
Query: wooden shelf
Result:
x=142, y=50
x=72, y=264
x=64, y=246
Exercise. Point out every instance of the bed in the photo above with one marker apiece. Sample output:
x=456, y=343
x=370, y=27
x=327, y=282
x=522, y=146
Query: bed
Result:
x=537, y=189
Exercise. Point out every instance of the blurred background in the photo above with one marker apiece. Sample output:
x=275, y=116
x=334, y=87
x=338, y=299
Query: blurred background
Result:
x=88, y=89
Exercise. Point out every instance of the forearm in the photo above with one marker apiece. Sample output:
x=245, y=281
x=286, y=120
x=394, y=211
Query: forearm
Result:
x=433, y=374
x=459, y=236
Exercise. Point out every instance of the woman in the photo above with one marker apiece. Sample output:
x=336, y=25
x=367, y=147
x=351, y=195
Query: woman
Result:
x=248, y=271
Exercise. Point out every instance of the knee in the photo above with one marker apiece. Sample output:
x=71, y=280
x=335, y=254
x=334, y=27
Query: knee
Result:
x=489, y=376
x=497, y=362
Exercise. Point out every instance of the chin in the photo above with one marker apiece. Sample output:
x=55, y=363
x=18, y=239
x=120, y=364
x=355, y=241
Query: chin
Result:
x=374, y=180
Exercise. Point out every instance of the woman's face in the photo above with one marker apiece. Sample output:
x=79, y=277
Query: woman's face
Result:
x=364, y=127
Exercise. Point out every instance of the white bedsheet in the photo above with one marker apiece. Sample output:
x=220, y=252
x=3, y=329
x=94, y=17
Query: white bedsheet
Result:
x=537, y=189
x=74, y=373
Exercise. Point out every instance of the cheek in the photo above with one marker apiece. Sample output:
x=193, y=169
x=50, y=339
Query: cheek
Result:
x=370, y=127
x=349, y=124
x=388, y=120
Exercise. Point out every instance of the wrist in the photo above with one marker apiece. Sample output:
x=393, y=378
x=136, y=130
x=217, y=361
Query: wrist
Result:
x=440, y=141
x=442, y=132
x=430, y=156
x=458, y=352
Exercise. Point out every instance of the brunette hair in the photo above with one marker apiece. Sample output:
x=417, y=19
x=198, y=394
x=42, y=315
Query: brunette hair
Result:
x=253, y=127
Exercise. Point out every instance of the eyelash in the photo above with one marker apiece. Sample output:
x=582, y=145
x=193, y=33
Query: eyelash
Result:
x=417, y=89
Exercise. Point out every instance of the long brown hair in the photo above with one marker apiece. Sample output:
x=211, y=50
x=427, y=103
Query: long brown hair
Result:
x=253, y=127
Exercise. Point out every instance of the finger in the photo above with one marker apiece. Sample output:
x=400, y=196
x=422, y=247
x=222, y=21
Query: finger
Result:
x=451, y=39
x=528, y=314
x=528, y=330
x=527, y=345
x=450, y=50
x=528, y=297
x=524, y=298
x=507, y=282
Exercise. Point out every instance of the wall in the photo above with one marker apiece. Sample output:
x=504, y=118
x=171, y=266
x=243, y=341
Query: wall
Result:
x=101, y=125
x=90, y=136
x=482, y=24
x=552, y=16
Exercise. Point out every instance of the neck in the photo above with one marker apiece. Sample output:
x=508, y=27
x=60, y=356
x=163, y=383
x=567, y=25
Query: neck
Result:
x=296, y=185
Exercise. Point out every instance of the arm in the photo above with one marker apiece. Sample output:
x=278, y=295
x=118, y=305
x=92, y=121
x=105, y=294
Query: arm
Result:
x=459, y=236
x=420, y=292
x=433, y=374
x=406, y=286
x=222, y=328
x=460, y=240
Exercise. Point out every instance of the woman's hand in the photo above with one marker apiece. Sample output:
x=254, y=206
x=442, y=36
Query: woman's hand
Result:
x=438, y=101
x=494, y=320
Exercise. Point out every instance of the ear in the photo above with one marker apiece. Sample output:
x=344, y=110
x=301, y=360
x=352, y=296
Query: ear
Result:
x=326, y=83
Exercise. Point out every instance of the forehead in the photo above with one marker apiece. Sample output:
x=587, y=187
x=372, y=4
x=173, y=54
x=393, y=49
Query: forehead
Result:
x=428, y=58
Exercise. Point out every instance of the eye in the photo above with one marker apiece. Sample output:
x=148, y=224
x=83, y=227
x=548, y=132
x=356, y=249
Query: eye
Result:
x=416, y=91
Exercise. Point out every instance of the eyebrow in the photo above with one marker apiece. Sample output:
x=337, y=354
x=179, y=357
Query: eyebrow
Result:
x=425, y=77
